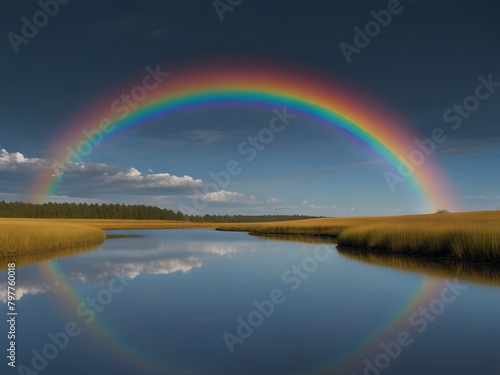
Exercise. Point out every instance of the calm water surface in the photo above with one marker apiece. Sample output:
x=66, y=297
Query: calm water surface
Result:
x=206, y=302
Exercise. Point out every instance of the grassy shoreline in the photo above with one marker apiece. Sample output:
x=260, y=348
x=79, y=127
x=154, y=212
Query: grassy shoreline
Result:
x=475, y=272
x=464, y=237
x=25, y=236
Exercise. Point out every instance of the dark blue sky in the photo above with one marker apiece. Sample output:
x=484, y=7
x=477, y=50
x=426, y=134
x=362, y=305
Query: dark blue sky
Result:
x=427, y=59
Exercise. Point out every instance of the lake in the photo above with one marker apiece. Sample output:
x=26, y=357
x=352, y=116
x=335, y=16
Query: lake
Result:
x=200, y=301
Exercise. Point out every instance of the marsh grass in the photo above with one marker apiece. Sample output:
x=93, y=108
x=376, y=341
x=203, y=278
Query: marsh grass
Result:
x=473, y=241
x=28, y=236
x=468, y=236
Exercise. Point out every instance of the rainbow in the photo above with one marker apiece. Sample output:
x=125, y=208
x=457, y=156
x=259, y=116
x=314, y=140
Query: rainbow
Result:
x=352, y=360
x=321, y=100
x=316, y=98
x=368, y=347
x=107, y=338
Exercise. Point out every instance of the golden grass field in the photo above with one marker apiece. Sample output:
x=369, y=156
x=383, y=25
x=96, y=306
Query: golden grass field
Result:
x=22, y=236
x=464, y=236
x=471, y=236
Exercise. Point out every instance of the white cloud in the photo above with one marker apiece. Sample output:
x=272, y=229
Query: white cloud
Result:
x=86, y=182
x=314, y=206
x=273, y=200
x=22, y=290
x=159, y=180
x=221, y=248
x=89, y=167
x=133, y=269
x=15, y=161
x=91, y=178
x=225, y=197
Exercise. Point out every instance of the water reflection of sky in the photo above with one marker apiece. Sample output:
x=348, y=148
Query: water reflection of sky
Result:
x=130, y=257
x=185, y=288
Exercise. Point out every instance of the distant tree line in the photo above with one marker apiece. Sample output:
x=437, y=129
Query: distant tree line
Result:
x=86, y=211
x=121, y=211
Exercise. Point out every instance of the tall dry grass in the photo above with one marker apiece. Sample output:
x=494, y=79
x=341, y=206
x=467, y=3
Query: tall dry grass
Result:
x=23, y=236
x=471, y=236
x=480, y=242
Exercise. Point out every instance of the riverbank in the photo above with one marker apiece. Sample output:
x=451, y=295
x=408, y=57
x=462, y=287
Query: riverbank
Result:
x=483, y=273
x=468, y=236
x=28, y=236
